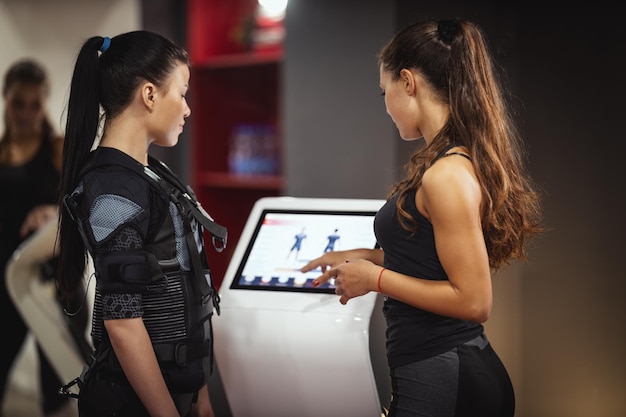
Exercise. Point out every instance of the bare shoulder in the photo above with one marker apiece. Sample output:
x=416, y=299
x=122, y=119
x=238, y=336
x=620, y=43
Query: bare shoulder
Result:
x=452, y=170
x=449, y=185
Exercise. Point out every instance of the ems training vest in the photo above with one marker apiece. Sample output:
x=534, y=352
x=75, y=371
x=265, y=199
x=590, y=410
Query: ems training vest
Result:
x=169, y=269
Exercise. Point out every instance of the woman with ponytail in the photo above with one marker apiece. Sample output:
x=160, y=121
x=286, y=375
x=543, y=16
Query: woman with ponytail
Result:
x=127, y=211
x=465, y=208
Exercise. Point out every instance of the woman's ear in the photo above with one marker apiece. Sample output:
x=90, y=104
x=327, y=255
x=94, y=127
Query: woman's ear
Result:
x=148, y=92
x=409, y=84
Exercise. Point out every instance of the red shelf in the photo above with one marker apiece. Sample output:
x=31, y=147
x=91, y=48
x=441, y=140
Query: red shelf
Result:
x=240, y=59
x=231, y=85
x=227, y=180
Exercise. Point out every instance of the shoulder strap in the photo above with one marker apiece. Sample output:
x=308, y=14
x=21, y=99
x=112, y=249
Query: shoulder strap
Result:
x=444, y=153
x=157, y=171
x=460, y=154
x=182, y=196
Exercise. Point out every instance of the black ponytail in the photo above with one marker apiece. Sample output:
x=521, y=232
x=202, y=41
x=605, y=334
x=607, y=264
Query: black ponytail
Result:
x=83, y=115
x=107, y=73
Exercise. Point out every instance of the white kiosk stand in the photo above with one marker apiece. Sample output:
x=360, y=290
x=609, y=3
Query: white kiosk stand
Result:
x=283, y=347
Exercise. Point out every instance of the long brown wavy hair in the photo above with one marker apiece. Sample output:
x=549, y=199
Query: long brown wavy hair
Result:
x=452, y=55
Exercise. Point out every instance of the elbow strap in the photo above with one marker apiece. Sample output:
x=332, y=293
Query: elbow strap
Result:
x=126, y=271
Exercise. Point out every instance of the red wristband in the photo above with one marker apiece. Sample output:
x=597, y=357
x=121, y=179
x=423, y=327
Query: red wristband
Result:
x=379, y=277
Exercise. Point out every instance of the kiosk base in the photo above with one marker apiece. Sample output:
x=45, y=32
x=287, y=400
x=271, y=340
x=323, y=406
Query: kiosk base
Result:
x=298, y=352
x=308, y=363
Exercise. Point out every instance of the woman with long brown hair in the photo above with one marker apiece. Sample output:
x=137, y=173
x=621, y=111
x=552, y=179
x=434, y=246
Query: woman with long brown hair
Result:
x=465, y=208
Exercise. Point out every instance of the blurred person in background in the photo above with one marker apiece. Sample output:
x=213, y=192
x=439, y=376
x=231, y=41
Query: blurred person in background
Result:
x=30, y=166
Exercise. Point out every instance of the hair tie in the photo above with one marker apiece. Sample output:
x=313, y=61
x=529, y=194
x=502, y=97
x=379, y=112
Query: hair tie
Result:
x=106, y=42
x=448, y=29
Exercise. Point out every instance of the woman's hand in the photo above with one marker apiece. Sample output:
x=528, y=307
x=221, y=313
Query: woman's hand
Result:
x=202, y=407
x=37, y=217
x=354, y=271
x=354, y=278
x=329, y=259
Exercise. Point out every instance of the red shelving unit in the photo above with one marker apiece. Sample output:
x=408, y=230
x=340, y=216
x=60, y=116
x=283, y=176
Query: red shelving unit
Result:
x=231, y=84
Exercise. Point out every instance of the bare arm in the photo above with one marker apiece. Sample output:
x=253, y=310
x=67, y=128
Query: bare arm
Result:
x=450, y=198
x=132, y=345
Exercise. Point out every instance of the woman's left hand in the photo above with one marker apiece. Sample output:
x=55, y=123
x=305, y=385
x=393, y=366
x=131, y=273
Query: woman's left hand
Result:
x=37, y=217
x=354, y=278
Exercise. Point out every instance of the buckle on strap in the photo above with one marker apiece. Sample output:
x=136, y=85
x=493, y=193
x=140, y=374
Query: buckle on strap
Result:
x=181, y=352
x=64, y=391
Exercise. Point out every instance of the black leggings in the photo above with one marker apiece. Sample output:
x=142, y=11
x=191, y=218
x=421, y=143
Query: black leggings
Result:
x=467, y=381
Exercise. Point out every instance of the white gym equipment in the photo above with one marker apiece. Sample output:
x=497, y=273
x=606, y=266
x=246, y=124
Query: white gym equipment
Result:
x=36, y=301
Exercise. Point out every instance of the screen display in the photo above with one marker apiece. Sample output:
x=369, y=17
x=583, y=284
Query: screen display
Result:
x=284, y=241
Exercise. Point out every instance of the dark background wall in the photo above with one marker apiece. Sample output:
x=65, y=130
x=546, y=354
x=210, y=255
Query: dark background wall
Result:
x=571, y=65
x=338, y=142
x=168, y=17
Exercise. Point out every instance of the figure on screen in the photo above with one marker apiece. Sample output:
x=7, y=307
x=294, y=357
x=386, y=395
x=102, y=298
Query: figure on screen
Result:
x=297, y=244
x=332, y=239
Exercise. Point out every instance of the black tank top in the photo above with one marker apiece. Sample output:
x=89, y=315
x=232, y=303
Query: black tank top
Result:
x=22, y=187
x=414, y=334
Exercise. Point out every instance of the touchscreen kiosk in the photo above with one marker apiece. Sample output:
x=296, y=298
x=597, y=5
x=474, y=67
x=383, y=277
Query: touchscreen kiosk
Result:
x=284, y=347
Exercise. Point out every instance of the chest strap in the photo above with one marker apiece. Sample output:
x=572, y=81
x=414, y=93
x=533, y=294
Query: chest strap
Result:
x=189, y=207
